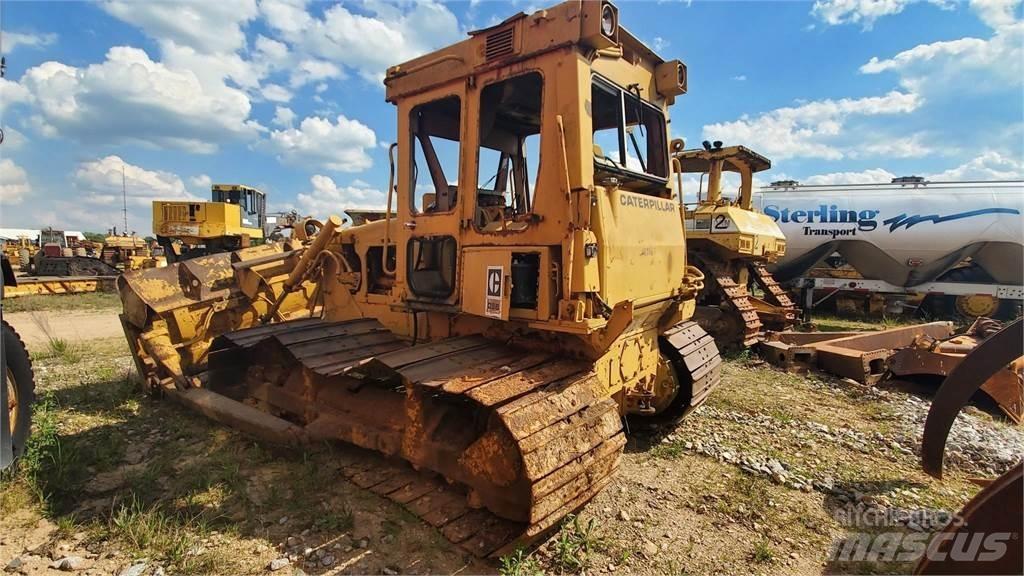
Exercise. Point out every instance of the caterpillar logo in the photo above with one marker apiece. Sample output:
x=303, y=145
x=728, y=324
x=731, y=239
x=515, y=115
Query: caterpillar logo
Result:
x=647, y=202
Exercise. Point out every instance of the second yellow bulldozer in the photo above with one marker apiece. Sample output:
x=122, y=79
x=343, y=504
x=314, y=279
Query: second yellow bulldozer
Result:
x=731, y=243
x=527, y=292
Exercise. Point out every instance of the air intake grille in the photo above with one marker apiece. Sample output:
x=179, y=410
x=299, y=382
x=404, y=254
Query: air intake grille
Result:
x=499, y=44
x=176, y=213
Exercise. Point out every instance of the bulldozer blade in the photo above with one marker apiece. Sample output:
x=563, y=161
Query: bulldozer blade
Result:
x=520, y=438
x=992, y=355
x=172, y=314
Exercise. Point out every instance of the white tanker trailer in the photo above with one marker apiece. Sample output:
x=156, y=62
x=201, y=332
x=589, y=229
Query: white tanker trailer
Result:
x=961, y=242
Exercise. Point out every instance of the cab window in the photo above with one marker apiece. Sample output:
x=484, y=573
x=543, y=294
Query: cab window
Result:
x=434, y=128
x=509, y=153
x=629, y=135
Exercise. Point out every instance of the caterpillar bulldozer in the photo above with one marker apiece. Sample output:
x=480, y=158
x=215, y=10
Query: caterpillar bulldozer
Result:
x=526, y=293
x=234, y=219
x=732, y=244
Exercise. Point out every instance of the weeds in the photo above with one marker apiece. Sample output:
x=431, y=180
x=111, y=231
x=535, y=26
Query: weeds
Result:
x=574, y=543
x=155, y=532
x=520, y=563
x=762, y=553
x=341, y=521
x=88, y=301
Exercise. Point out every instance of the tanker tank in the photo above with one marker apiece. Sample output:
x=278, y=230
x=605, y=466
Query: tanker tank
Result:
x=906, y=232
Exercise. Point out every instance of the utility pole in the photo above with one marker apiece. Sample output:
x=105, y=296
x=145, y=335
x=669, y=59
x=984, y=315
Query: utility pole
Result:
x=124, y=199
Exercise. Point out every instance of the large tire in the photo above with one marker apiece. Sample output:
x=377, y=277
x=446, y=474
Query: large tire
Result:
x=19, y=370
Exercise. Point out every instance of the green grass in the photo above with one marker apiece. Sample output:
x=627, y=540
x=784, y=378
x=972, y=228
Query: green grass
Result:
x=89, y=301
x=833, y=323
x=169, y=536
x=66, y=351
x=573, y=544
x=763, y=553
x=520, y=563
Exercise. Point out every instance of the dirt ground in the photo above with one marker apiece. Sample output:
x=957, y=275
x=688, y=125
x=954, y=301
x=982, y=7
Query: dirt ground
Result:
x=39, y=326
x=757, y=481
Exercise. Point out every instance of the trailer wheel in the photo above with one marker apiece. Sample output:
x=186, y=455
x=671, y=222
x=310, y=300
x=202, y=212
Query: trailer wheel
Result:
x=977, y=305
x=20, y=387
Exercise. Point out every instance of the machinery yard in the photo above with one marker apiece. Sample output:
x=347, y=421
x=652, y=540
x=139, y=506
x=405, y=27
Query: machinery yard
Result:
x=560, y=340
x=135, y=480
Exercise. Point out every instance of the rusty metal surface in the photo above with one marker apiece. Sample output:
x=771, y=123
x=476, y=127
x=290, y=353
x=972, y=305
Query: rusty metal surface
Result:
x=892, y=338
x=998, y=510
x=738, y=324
x=807, y=338
x=1005, y=387
x=777, y=311
x=865, y=357
x=989, y=357
x=523, y=437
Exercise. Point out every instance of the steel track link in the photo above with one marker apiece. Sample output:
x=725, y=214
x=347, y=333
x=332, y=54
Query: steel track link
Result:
x=507, y=442
x=737, y=299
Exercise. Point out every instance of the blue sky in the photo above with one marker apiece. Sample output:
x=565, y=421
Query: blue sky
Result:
x=287, y=95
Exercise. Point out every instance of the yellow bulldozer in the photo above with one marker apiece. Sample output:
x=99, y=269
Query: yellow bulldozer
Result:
x=527, y=292
x=732, y=243
x=234, y=219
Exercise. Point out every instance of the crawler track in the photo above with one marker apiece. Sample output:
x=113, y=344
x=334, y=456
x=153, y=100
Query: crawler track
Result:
x=506, y=441
x=734, y=299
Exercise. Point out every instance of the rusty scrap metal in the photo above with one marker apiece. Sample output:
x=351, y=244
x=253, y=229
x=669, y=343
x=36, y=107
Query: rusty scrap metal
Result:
x=996, y=510
x=988, y=358
x=860, y=356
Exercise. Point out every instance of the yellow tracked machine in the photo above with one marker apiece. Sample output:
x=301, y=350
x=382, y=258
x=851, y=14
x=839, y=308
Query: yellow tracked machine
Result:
x=527, y=292
x=731, y=243
x=234, y=219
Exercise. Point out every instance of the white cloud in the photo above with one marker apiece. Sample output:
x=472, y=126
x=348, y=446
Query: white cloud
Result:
x=864, y=12
x=130, y=98
x=99, y=182
x=14, y=184
x=202, y=182
x=11, y=40
x=12, y=93
x=276, y=93
x=870, y=176
x=13, y=139
x=328, y=198
x=659, y=44
x=98, y=195
x=271, y=51
x=740, y=78
x=989, y=165
x=965, y=63
x=283, y=116
x=310, y=70
x=340, y=145
x=996, y=13
x=387, y=34
x=204, y=26
x=811, y=129
x=914, y=146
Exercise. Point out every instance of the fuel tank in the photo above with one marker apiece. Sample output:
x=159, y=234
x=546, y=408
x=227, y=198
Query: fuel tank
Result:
x=905, y=233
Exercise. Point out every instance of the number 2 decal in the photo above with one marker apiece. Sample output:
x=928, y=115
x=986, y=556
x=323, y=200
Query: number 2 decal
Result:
x=721, y=222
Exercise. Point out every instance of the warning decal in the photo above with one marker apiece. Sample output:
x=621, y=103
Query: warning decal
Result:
x=495, y=277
